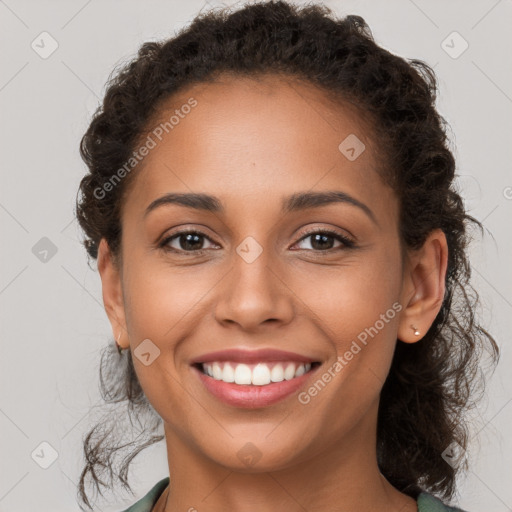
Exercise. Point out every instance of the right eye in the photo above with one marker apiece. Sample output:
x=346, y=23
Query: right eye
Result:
x=188, y=240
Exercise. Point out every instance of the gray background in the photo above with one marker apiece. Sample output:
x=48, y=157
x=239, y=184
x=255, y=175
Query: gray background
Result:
x=52, y=320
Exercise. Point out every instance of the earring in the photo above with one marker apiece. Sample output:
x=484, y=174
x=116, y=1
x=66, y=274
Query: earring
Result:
x=119, y=348
x=416, y=332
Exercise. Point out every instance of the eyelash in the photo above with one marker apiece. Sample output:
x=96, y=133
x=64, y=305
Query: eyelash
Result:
x=347, y=242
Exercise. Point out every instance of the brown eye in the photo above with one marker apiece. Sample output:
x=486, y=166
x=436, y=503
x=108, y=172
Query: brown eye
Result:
x=322, y=240
x=185, y=241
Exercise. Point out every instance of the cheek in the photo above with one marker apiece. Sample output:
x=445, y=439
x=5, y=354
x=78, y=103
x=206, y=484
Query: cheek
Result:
x=351, y=296
x=356, y=310
x=160, y=298
x=356, y=307
x=165, y=305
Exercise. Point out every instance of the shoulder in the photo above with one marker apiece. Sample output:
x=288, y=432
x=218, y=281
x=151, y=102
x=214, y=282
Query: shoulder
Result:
x=145, y=504
x=429, y=503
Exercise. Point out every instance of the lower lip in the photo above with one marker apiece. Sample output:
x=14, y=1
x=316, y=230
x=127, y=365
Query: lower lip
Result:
x=250, y=396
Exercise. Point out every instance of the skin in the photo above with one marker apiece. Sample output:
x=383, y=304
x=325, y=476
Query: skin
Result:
x=251, y=144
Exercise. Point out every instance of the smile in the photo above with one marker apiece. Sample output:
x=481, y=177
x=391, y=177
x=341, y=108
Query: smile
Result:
x=252, y=386
x=259, y=374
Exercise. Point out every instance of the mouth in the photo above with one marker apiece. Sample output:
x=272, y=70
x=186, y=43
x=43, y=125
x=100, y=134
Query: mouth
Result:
x=255, y=374
x=256, y=385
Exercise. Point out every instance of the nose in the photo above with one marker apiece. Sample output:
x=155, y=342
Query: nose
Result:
x=254, y=293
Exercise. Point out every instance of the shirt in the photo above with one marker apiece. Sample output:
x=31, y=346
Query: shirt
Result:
x=426, y=502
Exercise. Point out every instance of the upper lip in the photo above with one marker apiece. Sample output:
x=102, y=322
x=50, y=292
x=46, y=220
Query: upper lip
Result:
x=252, y=356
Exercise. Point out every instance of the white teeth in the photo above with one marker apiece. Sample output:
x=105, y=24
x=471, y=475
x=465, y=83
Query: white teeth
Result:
x=217, y=371
x=289, y=372
x=228, y=374
x=242, y=374
x=277, y=374
x=260, y=374
x=300, y=371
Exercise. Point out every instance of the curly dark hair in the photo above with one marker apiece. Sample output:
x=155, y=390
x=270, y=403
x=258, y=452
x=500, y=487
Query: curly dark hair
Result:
x=432, y=383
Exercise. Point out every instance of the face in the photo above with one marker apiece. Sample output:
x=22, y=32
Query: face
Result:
x=252, y=276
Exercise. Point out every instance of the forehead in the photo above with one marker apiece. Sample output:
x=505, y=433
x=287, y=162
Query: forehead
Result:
x=248, y=140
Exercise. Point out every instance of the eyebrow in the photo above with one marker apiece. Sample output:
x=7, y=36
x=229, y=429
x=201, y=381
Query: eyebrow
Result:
x=295, y=202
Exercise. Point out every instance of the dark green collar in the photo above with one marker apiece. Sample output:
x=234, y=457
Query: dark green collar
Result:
x=426, y=502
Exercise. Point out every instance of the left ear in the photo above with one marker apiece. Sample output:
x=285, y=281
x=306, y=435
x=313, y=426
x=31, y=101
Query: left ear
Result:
x=423, y=287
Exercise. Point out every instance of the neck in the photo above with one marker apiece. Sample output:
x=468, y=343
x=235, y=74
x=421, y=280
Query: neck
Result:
x=344, y=477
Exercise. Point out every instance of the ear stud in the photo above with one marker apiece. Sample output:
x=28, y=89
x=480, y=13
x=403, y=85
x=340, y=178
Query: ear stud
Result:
x=416, y=332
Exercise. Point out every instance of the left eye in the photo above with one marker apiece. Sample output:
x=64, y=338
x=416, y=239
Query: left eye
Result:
x=322, y=238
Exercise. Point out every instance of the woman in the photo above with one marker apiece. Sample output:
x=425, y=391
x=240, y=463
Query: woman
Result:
x=283, y=263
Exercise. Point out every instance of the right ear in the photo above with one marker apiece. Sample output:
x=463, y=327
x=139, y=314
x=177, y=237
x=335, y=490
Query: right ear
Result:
x=112, y=293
